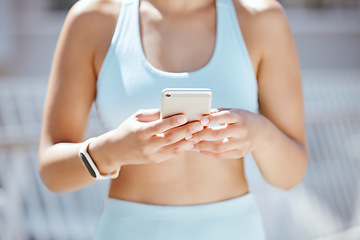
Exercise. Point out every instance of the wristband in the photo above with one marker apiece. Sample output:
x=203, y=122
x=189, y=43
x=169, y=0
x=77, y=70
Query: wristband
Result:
x=90, y=164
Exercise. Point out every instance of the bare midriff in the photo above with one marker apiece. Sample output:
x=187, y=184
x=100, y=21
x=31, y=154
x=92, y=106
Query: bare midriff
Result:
x=190, y=178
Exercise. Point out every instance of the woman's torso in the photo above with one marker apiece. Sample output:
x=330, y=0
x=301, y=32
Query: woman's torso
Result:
x=190, y=178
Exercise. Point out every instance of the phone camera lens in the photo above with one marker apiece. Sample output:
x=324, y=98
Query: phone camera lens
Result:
x=168, y=95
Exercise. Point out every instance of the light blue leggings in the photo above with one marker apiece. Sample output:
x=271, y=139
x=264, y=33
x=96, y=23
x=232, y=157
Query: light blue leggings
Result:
x=234, y=219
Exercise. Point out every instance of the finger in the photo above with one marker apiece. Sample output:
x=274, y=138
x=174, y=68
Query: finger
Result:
x=233, y=154
x=215, y=110
x=147, y=115
x=162, y=125
x=227, y=144
x=175, y=134
x=216, y=133
x=172, y=150
x=222, y=117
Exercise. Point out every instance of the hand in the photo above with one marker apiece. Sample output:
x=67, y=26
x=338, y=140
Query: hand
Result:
x=144, y=138
x=238, y=134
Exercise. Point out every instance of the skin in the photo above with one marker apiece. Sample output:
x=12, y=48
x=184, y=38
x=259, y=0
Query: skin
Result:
x=157, y=168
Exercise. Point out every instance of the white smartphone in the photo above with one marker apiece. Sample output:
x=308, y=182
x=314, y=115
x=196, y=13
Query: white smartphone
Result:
x=193, y=102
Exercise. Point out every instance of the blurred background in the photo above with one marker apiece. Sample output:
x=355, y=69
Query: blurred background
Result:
x=326, y=205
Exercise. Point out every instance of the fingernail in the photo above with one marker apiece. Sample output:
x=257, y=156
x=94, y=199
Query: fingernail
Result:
x=181, y=119
x=204, y=121
x=188, y=137
x=197, y=127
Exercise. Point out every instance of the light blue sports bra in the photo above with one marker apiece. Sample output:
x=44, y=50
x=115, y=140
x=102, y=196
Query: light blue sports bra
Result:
x=127, y=82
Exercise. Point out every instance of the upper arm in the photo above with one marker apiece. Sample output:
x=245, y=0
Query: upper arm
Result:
x=279, y=78
x=72, y=83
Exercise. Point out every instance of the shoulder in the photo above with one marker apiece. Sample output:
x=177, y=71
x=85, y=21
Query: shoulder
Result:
x=88, y=25
x=92, y=18
x=93, y=10
x=264, y=16
x=263, y=22
x=259, y=9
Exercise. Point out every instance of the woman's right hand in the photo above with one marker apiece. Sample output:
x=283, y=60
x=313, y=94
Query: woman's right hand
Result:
x=141, y=139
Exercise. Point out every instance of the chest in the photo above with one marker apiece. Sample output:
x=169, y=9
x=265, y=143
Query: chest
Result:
x=178, y=43
x=150, y=55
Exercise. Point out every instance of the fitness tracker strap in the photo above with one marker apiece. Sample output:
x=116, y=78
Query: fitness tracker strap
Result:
x=90, y=164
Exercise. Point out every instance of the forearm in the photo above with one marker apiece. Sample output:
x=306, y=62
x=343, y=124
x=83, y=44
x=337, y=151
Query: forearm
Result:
x=61, y=168
x=281, y=160
x=133, y=142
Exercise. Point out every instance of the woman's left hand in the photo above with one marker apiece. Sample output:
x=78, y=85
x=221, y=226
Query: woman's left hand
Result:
x=239, y=133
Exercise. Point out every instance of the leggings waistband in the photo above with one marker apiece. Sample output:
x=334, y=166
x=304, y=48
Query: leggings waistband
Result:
x=234, y=206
